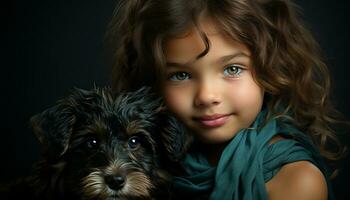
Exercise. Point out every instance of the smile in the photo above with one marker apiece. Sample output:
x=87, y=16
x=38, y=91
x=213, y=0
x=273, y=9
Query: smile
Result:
x=213, y=120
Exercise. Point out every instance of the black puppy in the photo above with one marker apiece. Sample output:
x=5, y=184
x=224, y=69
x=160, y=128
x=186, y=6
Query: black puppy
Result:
x=98, y=145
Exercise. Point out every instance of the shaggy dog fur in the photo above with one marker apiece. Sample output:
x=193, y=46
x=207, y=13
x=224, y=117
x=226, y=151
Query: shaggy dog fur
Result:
x=100, y=145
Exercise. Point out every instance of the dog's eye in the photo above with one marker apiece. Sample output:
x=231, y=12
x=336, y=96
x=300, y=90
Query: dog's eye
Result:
x=134, y=142
x=91, y=143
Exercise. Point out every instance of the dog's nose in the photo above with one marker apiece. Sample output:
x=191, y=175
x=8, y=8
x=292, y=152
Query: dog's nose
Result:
x=115, y=182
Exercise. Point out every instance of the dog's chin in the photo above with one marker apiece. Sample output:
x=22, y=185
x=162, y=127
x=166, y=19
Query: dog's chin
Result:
x=115, y=197
x=119, y=195
x=137, y=186
x=110, y=194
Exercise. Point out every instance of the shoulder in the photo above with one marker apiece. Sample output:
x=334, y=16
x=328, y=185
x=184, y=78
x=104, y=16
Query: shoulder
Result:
x=298, y=180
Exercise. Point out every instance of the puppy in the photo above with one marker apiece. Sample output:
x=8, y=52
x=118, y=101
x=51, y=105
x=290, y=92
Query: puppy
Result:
x=100, y=145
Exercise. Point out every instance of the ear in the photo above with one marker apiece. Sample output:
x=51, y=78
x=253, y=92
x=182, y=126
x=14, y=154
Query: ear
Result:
x=175, y=138
x=53, y=128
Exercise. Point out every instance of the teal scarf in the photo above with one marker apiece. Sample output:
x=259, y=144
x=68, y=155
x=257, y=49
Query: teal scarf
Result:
x=246, y=164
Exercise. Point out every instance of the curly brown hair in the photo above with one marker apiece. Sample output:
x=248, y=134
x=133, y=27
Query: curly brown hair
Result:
x=287, y=61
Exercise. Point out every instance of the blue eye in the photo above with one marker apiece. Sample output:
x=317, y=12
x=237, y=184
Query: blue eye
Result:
x=233, y=70
x=179, y=76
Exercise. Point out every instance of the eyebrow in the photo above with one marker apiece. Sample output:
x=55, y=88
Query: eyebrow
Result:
x=227, y=58
x=223, y=59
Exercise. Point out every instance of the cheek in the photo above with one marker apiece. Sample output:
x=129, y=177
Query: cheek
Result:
x=175, y=99
x=247, y=98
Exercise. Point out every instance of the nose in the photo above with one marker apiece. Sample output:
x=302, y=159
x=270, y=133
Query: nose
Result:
x=115, y=182
x=207, y=94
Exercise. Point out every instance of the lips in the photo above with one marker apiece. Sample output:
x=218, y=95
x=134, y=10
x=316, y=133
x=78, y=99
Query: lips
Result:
x=213, y=120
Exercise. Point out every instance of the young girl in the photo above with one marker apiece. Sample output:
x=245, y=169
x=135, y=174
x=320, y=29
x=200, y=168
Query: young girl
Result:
x=246, y=78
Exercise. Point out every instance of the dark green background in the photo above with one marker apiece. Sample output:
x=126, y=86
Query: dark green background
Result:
x=48, y=47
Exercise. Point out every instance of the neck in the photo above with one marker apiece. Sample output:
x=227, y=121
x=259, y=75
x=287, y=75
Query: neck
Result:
x=212, y=152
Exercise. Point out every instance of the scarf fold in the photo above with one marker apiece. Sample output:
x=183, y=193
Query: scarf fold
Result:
x=246, y=163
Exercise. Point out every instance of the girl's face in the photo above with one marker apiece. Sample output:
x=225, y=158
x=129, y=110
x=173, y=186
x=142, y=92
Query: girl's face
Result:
x=214, y=96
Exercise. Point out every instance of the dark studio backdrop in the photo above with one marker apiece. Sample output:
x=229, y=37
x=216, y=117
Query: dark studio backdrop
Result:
x=51, y=46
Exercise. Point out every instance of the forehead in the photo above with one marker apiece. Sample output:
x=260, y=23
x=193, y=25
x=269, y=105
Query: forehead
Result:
x=188, y=45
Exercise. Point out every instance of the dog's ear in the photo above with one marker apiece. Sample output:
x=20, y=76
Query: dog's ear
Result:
x=53, y=129
x=54, y=126
x=176, y=138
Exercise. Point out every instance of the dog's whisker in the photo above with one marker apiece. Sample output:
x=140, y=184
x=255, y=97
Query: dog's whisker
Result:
x=93, y=185
x=138, y=184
